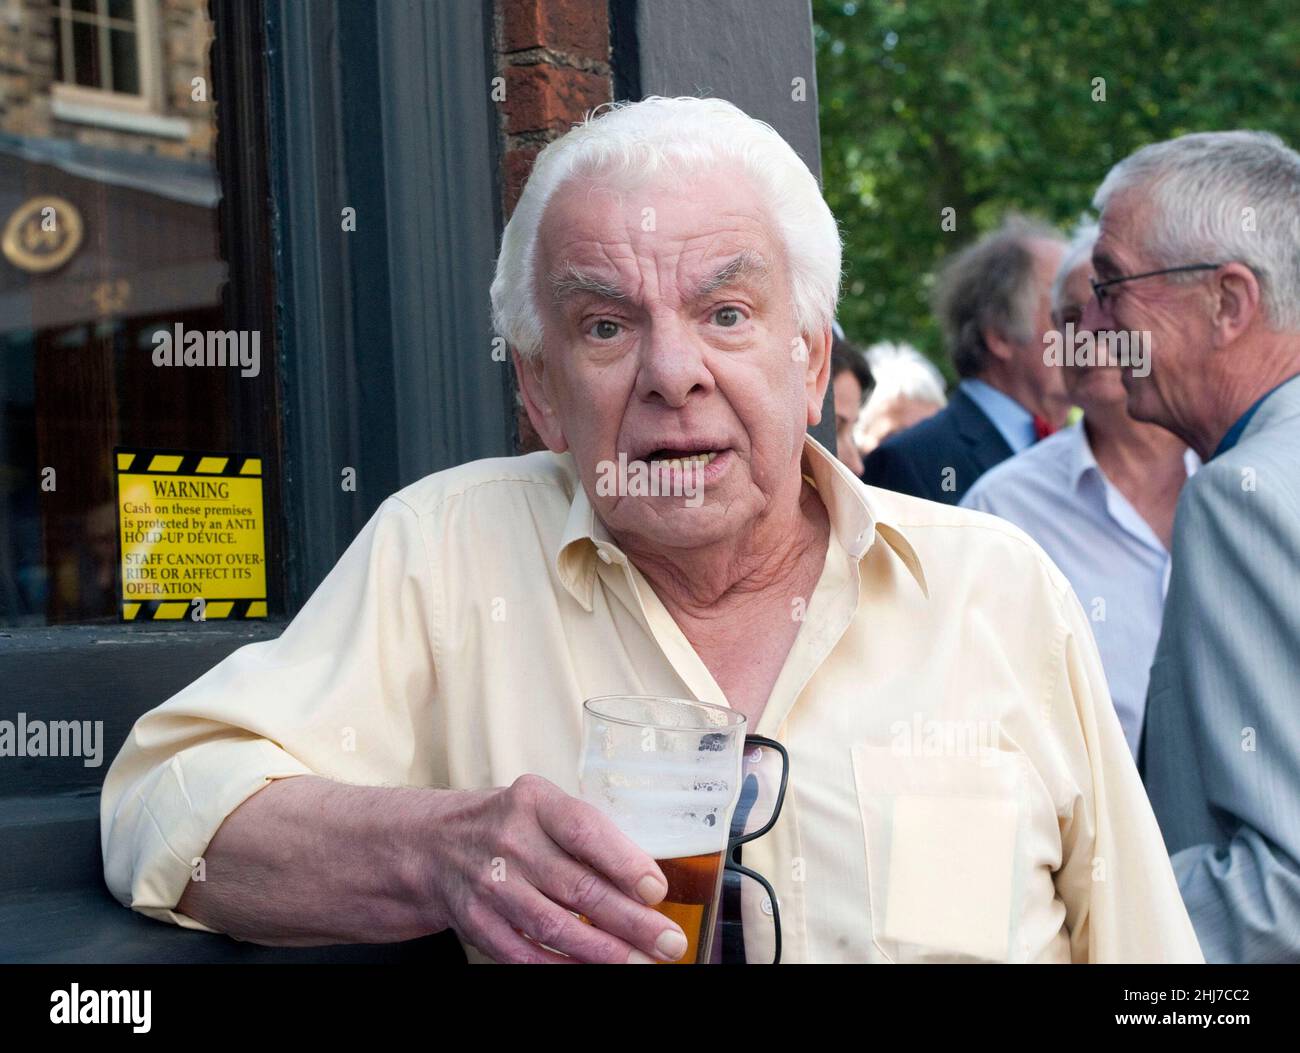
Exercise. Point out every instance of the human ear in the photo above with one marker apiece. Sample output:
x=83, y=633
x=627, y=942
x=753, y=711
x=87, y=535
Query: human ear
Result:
x=538, y=401
x=817, y=371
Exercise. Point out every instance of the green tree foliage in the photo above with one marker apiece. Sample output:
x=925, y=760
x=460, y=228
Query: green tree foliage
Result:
x=985, y=106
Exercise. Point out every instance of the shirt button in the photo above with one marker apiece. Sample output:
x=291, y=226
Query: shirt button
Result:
x=767, y=905
x=605, y=556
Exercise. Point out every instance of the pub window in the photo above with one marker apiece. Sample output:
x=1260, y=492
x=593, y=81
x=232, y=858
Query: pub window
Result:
x=98, y=45
x=111, y=237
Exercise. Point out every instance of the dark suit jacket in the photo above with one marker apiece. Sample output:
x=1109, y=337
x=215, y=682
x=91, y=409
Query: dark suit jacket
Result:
x=959, y=437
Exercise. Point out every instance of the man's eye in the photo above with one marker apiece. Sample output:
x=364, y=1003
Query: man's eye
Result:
x=727, y=316
x=605, y=329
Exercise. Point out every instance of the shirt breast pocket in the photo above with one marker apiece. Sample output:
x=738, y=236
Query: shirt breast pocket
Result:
x=944, y=865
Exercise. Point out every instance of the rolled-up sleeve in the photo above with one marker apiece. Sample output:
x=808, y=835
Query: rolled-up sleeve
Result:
x=1117, y=883
x=346, y=692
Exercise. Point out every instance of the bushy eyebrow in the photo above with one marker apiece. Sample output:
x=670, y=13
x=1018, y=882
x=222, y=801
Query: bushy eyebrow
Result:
x=747, y=264
x=570, y=281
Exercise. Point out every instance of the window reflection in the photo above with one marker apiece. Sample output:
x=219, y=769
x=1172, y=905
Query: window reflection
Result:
x=109, y=202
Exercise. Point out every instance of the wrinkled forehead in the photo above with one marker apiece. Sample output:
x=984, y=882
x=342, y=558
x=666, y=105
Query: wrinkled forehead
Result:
x=599, y=224
x=1122, y=225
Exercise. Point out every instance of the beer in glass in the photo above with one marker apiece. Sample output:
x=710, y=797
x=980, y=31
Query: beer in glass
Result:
x=667, y=771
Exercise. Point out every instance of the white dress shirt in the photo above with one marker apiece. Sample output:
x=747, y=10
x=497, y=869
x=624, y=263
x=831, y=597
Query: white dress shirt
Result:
x=1057, y=493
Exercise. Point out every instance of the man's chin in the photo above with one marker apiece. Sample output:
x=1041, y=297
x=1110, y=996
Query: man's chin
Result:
x=1140, y=403
x=668, y=524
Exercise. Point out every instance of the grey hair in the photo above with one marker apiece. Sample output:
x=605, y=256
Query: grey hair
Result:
x=990, y=286
x=1080, y=252
x=1199, y=190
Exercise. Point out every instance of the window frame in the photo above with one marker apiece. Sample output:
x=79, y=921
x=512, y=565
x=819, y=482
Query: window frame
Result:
x=149, y=101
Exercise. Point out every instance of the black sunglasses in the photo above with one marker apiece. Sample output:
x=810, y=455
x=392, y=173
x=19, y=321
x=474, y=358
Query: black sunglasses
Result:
x=732, y=936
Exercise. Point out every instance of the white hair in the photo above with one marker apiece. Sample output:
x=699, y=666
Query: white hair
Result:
x=1079, y=252
x=1216, y=197
x=899, y=370
x=631, y=142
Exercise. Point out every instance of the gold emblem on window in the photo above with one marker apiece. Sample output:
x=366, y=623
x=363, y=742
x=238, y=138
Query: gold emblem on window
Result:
x=42, y=234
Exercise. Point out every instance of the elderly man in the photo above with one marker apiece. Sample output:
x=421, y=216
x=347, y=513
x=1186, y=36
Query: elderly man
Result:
x=1099, y=497
x=404, y=758
x=993, y=300
x=1200, y=248
x=908, y=389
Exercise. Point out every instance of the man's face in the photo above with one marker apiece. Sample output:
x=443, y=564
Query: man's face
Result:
x=848, y=403
x=1045, y=381
x=1090, y=387
x=1179, y=330
x=670, y=332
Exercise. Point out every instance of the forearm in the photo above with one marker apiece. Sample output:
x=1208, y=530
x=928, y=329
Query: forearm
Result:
x=1243, y=898
x=309, y=861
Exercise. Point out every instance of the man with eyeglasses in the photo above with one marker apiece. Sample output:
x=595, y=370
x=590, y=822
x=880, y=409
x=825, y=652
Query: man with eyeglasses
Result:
x=1099, y=496
x=1200, y=248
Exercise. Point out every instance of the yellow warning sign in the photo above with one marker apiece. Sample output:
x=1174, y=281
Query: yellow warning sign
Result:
x=191, y=532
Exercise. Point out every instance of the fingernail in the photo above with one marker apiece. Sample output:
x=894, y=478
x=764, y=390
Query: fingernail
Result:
x=671, y=944
x=651, y=889
x=636, y=957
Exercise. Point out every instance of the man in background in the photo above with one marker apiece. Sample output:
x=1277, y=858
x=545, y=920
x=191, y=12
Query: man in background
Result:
x=1200, y=248
x=1099, y=497
x=908, y=390
x=994, y=303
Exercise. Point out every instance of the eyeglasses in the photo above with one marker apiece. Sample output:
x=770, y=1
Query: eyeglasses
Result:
x=1099, y=288
x=746, y=894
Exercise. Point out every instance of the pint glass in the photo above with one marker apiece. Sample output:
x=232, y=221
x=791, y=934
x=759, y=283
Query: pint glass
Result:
x=667, y=771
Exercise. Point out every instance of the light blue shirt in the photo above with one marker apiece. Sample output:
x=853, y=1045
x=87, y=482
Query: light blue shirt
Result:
x=1057, y=494
x=1013, y=422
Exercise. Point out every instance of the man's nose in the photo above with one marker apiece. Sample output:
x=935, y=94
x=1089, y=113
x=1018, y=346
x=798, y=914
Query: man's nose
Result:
x=672, y=363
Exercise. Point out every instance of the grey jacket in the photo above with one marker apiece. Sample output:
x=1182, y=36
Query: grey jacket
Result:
x=1221, y=746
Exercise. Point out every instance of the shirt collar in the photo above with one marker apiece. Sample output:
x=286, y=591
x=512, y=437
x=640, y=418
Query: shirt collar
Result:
x=1081, y=459
x=856, y=524
x=1012, y=420
x=1238, y=429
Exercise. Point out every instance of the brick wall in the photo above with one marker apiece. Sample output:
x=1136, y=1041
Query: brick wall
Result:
x=553, y=56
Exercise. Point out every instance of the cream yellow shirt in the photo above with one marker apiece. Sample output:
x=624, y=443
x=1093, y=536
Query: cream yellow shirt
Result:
x=960, y=788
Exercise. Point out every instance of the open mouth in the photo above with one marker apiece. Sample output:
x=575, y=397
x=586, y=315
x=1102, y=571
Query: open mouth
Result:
x=671, y=458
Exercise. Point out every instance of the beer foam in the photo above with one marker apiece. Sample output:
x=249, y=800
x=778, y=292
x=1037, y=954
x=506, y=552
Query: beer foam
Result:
x=658, y=843
x=670, y=804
